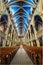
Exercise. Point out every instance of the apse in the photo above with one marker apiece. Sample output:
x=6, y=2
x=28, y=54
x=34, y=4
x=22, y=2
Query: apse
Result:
x=21, y=11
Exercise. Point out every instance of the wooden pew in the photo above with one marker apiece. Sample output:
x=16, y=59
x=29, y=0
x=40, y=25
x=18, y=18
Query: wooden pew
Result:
x=35, y=54
x=7, y=54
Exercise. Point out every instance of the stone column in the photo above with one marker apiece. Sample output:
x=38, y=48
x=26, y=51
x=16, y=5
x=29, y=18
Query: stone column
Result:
x=6, y=32
x=35, y=33
x=29, y=44
x=11, y=36
x=31, y=38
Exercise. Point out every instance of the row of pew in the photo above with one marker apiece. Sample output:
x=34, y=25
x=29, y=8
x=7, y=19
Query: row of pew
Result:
x=7, y=54
x=35, y=53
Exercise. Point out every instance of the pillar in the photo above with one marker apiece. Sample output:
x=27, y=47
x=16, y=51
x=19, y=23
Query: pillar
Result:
x=29, y=44
x=6, y=32
x=35, y=33
x=31, y=38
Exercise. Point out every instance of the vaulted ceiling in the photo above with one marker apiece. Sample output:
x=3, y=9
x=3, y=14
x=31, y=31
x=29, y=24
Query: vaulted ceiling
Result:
x=21, y=12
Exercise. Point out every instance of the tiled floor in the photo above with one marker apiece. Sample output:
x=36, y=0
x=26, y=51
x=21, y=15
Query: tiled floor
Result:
x=21, y=58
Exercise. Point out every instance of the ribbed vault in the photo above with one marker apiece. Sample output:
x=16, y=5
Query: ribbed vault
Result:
x=21, y=12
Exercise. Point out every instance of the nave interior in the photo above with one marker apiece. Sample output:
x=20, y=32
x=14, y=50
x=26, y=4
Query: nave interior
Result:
x=21, y=32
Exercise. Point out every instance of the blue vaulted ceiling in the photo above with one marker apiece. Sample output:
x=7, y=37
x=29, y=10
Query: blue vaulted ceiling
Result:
x=21, y=10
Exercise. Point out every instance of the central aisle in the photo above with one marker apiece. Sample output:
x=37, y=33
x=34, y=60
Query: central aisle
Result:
x=21, y=58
